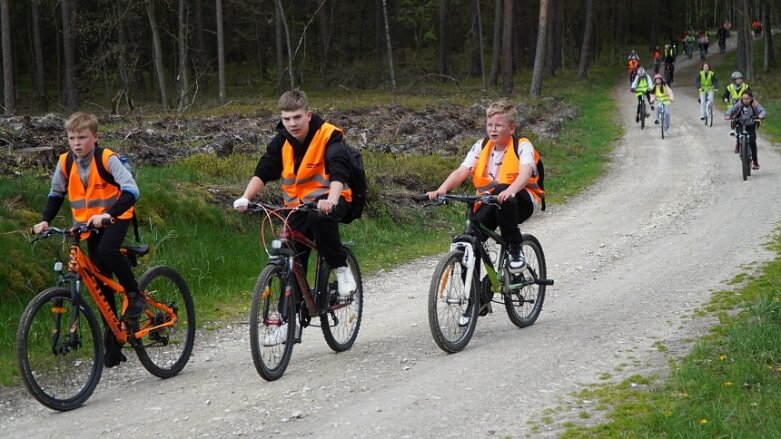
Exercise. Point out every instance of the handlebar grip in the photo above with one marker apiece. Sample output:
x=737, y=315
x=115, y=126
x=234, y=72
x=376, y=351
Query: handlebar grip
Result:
x=547, y=282
x=420, y=197
x=107, y=221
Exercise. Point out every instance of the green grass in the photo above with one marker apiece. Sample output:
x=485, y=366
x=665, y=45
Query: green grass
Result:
x=187, y=220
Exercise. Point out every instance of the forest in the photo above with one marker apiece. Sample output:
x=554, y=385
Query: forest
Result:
x=57, y=54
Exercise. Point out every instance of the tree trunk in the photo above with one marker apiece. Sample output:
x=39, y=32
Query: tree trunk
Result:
x=184, y=80
x=391, y=68
x=496, y=43
x=324, y=30
x=442, y=64
x=220, y=52
x=40, y=77
x=539, y=53
x=280, y=44
x=283, y=20
x=69, y=58
x=557, y=61
x=743, y=25
x=9, y=89
x=123, y=64
x=158, y=52
x=476, y=67
x=480, y=48
x=770, y=57
x=200, y=47
x=588, y=37
x=507, y=49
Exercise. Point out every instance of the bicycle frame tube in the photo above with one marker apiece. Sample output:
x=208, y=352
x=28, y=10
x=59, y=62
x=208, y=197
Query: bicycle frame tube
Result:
x=481, y=233
x=294, y=266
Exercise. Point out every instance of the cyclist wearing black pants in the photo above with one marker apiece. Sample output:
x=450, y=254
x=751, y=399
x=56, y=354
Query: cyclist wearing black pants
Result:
x=642, y=86
x=749, y=113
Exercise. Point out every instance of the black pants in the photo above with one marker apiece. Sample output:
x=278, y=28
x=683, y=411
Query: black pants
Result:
x=514, y=211
x=324, y=229
x=752, y=138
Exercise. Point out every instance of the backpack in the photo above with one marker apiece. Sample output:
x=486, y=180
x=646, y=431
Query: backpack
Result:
x=105, y=175
x=540, y=167
x=356, y=183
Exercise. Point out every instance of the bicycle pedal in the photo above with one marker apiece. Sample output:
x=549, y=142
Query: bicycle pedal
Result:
x=485, y=309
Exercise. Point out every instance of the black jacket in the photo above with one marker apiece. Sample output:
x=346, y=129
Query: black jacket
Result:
x=337, y=162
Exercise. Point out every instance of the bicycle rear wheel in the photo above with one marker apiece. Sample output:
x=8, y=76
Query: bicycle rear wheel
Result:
x=524, y=303
x=59, y=376
x=165, y=352
x=342, y=321
x=272, y=307
x=447, y=303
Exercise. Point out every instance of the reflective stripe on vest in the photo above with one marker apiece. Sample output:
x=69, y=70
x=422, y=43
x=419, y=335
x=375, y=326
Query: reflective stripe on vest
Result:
x=642, y=85
x=664, y=98
x=311, y=181
x=98, y=195
x=508, y=171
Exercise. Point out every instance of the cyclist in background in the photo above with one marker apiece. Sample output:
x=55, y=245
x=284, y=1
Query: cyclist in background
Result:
x=662, y=95
x=632, y=65
x=657, y=57
x=750, y=113
x=641, y=86
x=669, y=62
x=722, y=34
x=706, y=85
x=689, y=43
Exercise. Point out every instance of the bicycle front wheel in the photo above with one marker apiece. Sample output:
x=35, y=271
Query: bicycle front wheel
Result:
x=272, y=323
x=524, y=302
x=340, y=324
x=164, y=352
x=745, y=162
x=452, y=315
x=710, y=113
x=59, y=375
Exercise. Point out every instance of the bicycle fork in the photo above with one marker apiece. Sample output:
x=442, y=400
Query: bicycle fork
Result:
x=468, y=260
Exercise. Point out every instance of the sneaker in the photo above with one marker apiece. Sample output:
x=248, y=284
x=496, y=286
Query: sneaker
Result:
x=652, y=108
x=516, y=260
x=136, y=306
x=702, y=117
x=113, y=355
x=279, y=336
x=737, y=148
x=732, y=133
x=637, y=118
x=464, y=319
x=346, y=281
x=756, y=165
x=656, y=122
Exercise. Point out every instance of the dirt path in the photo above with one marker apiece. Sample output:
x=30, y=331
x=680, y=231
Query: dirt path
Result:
x=632, y=259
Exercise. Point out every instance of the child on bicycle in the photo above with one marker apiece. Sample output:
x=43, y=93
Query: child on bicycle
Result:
x=662, y=95
x=641, y=86
x=311, y=158
x=749, y=113
x=505, y=165
x=706, y=85
x=93, y=199
x=735, y=89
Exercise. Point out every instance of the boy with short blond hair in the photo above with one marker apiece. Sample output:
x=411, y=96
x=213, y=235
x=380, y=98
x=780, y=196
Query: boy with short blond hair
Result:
x=99, y=188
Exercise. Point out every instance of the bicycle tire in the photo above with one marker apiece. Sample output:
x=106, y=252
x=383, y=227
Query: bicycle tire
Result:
x=642, y=115
x=744, y=159
x=266, y=316
x=525, y=304
x=165, y=352
x=341, y=323
x=710, y=113
x=50, y=377
x=447, y=303
x=661, y=122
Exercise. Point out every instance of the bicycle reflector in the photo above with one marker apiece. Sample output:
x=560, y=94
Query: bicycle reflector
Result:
x=58, y=266
x=276, y=244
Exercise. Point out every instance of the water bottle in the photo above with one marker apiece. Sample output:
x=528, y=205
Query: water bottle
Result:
x=126, y=163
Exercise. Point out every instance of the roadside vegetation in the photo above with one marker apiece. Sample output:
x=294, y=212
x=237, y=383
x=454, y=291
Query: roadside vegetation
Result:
x=729, y=385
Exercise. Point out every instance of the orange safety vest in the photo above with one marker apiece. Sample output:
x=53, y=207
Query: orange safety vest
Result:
x=94, y=198
x=633, y=64
x=311, y=181
x=508, y=171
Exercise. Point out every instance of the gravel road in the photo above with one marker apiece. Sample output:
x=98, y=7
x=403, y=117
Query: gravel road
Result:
x=632, y=258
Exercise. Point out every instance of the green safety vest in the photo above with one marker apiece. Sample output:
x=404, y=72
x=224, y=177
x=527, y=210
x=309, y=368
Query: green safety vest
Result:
x=735, y=94
x=642, y=85
x=664, y=98
x=706, y=80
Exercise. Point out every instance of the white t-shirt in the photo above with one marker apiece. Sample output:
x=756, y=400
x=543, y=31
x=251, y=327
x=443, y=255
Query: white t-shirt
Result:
x=526, y=157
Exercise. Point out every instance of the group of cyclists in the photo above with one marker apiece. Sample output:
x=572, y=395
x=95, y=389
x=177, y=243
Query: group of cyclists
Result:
x=745, y=113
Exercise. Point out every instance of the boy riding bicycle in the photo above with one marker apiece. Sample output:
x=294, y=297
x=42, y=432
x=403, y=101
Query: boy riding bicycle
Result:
x=641, y=86
x=93, y=199
x=311, y=158
x=504, y=165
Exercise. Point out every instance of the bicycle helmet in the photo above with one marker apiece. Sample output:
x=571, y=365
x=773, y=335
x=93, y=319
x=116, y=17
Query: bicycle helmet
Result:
x=640, y=71
x=736, y=75
x=658, y=76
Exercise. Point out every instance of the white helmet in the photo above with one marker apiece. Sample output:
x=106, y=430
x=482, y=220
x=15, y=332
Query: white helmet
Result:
x=736, y=75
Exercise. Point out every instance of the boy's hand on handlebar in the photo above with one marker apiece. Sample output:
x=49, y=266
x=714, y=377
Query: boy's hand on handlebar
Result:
x=505, y=195
x=432, y=195
x=241, y=204
x=99, y=221
x=40, y=227
x=325, y=205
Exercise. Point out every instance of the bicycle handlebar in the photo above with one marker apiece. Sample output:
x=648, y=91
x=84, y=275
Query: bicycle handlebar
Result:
x=69, y=231
x=262, y=207
x=442, y=199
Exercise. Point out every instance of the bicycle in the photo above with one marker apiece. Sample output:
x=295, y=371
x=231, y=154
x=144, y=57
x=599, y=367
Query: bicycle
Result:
x=642, y=112
x=59, y=345
x=709, y=107
x=457, y=291
x=744, y=149
x=282, y=296
x=669, y=70
x=663, y=117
